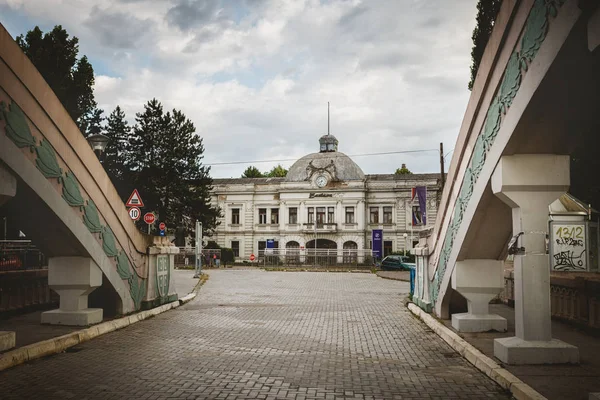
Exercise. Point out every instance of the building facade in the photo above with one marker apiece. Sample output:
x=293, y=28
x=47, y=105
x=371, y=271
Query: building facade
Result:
x=327, y=188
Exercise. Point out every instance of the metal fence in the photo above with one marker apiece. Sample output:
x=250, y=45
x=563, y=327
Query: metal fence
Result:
x=187, y=257
x=19, y=255
x=315, y=258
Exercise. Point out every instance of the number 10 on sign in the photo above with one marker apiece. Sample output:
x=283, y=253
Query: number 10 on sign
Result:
x=134, y=213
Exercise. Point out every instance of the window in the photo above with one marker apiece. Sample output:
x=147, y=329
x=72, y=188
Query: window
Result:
x=274, y=215
x=262, y=215
x=387, y=215
x=374, y=212
x=330, y=215
x=235, y=246
x=417, y=217
x=349, y=215
x=320, y=215
x=235, y=216
x=311, y=215
x=293, y=215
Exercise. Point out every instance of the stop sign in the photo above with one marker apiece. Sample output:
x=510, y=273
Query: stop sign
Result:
x=149, y=218
x=252, y=257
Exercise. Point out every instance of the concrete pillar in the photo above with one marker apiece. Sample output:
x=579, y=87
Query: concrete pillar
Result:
x=421, y=295
x=73, y=278
x=528, y=184
x=479, y=281
x=8, y=185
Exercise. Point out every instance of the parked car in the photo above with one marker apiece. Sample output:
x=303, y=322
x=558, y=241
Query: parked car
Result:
x=396, y=263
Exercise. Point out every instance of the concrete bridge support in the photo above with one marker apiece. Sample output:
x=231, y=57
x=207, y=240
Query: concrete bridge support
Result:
x=73, y=278
x=8, y=185
x=528, y=184
x=479, y=281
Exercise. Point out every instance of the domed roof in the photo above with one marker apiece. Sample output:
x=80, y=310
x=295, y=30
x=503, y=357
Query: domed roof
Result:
x=338, y=165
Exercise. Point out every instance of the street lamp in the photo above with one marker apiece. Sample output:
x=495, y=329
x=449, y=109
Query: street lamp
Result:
x=404, y=235
x=98, y=143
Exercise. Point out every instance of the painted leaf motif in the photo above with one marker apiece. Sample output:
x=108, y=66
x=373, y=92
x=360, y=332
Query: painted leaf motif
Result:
x=536, y=28
x=510, y=83
x=478, y=158
x=137, y=291
x=123, y=266
x=46, y=160
x=91, y=219
x=71, y=192
x=108, y=242
x=17, y=128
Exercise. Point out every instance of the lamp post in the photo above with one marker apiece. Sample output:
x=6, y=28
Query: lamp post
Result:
x=98, y=143
x=404, y=235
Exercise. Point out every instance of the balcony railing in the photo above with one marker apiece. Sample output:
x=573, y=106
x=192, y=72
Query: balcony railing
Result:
x=324, y=227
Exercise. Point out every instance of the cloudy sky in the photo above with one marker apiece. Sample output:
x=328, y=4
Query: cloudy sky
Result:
x=255, y=76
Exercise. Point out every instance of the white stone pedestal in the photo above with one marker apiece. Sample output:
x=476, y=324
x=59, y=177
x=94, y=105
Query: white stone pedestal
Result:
x=73, y=278
x=479, y=281
x=7, y=340
x=528, y=184
x=515, y=351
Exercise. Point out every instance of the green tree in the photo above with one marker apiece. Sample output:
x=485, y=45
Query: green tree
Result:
x=164, y=157
x=252, y=172
x=115, y=156
x=403, y=170
x=54, y=54
x=487, y=11
x=277, y=172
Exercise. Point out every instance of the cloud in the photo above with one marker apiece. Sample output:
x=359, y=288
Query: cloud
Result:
x=255, y=76
x=117, y=30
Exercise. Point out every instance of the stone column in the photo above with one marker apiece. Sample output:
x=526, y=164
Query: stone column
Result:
x=421, y=296
x=479, y=281
x=73, y=278
x=161, y=283
x=528, y=184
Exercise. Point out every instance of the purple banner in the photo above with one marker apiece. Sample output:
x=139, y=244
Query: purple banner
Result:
x=420, y=216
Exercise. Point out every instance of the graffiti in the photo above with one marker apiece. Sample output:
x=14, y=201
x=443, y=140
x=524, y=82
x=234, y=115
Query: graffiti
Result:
x=570, y=242
x=569, y=247
x=567, y=261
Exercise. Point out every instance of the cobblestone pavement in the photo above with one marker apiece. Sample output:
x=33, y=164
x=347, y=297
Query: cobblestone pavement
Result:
x=264, y=335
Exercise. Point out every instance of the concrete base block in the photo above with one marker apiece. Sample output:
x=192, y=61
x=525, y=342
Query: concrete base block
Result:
x=516, y=351
x=87, y=316
x=466, y=322
x=7, y=340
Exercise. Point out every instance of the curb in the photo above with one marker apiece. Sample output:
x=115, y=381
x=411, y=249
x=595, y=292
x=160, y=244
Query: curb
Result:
x=393, y=279
x=519, y=389
x=61, y=343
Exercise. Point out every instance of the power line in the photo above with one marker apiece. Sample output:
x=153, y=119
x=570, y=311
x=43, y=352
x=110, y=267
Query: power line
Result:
x=295, y=159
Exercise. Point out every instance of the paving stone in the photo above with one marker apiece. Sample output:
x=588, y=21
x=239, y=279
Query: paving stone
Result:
x=251, y=334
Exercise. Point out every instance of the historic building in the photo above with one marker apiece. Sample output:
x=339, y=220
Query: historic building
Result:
x=328, y=188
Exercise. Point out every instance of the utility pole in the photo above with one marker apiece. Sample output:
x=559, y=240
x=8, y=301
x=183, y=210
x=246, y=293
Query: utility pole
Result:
x=443, y=179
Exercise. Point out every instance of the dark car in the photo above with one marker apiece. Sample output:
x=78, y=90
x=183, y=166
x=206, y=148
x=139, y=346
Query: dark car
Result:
x=396, y=263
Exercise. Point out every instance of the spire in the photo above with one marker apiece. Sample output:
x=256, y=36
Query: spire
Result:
x=328, y=143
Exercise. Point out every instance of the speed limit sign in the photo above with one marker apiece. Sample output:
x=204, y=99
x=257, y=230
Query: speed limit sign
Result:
x=134, y=213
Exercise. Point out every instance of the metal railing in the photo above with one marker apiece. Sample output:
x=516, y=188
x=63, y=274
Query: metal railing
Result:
x=315, y=258
x=19, y=255
x=187, y=257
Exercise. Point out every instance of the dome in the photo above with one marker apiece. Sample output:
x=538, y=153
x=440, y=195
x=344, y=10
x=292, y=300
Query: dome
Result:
x=338, y=165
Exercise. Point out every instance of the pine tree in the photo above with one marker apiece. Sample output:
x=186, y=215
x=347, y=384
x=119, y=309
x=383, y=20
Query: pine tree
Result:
x=54, y=54
x=164, y=156
x=487, y=11
x=115, y=155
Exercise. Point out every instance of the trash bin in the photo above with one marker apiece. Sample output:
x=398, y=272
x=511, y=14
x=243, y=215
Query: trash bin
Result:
x=412, y=280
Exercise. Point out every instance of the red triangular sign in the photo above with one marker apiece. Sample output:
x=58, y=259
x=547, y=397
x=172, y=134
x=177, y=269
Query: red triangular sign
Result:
x=135, y=200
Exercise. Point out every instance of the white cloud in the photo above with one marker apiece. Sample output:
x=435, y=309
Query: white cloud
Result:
x=255, y=76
